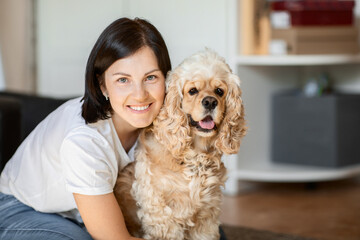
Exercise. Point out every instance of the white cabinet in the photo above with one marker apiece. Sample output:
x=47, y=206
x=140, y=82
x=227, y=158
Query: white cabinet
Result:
x=261, y=76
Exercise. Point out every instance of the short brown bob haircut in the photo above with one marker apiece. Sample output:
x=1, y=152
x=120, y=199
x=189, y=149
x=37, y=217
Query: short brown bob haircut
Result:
x=120, y=39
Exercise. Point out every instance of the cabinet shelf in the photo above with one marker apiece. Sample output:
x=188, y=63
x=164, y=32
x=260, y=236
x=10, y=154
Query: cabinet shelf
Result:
x=297, y=60
x=268, y=171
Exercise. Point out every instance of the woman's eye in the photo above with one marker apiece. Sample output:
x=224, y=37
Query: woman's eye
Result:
x=219, y=92
x=151, y=77
x=193, y=91
x=122, y=80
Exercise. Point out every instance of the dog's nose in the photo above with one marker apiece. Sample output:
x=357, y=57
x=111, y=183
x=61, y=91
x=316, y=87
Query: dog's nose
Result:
x=209, y=103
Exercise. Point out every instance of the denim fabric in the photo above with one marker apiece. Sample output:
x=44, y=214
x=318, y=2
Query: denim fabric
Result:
x=18, y=221
x=21, y=222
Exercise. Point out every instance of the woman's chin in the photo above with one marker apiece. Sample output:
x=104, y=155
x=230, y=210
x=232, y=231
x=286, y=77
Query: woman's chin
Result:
x=141, y=124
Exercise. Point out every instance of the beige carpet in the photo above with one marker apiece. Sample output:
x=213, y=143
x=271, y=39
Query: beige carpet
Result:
x=242, y=233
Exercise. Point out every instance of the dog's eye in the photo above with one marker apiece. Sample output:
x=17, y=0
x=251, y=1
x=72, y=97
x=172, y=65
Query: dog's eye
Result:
x=193, y=91
x=219, y=92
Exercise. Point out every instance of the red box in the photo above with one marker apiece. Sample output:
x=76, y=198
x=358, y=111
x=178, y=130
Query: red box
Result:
x=317, y=12
x=312, y=17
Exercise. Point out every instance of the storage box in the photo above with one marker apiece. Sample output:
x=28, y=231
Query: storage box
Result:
x=319, y=40
x=319, y=131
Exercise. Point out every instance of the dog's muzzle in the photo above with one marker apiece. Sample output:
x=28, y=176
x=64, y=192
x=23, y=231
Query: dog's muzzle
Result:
x=209, y=103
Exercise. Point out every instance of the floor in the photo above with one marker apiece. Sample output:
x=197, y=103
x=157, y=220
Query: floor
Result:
x=326, y=211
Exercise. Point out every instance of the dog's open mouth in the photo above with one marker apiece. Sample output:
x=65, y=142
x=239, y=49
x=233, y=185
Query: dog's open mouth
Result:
x=205, y=125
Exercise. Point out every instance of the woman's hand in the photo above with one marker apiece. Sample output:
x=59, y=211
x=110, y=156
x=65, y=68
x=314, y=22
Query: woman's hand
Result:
x=102, y=216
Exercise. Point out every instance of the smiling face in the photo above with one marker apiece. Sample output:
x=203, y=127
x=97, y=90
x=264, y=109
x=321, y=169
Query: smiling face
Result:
x=136, y=89
x=204, y=103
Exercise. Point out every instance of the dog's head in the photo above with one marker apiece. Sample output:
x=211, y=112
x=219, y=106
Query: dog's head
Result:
x=203, y=99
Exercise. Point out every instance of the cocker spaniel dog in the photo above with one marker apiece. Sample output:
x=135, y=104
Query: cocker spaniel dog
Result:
x=173, y=189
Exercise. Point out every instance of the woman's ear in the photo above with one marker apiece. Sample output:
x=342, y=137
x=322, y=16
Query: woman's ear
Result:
x=171, y=125
x=233, y=127
x=104, y=92
x=102, y=85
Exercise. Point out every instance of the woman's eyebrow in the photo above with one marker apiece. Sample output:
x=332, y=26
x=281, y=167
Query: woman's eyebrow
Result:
x=121, y=73
x=154, y=70
x=128, y=75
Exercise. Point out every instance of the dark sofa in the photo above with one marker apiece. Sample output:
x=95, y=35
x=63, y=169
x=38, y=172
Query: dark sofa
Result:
x=19, y=115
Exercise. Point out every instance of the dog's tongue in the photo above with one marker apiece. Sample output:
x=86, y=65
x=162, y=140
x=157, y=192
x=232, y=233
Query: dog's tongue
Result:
x=207, y=123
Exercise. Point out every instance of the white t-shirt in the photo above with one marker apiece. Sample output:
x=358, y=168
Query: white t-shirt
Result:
x=63, y=155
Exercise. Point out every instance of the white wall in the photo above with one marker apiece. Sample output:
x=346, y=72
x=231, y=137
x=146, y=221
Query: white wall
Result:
x=68, y=29
x=66, y=32
x=186, y=25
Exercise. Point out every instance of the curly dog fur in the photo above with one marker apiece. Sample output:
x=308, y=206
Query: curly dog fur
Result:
x=173, y=189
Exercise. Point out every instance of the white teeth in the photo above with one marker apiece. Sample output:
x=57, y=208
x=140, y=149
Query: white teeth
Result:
x=139, y=108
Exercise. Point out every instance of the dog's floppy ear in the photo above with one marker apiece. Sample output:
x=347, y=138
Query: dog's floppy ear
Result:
x=233, y=126
x=171, y=125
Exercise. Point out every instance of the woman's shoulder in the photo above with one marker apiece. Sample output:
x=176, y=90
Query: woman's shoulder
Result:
x=76, y=130
x=70, y=110
x=66, y=122
x=99, y=133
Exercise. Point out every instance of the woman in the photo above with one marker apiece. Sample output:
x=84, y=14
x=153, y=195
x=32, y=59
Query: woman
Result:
x=69, y=163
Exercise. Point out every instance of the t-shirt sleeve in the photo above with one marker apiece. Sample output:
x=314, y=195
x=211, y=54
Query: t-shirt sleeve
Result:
x=89, y=164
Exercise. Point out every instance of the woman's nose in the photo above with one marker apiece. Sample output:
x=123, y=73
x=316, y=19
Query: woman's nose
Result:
x=140, y=92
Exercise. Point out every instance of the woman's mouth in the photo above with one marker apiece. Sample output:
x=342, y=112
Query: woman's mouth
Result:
x=142, y=108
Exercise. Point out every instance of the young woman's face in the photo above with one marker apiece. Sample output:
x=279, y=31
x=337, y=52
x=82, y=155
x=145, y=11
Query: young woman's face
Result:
x=136, y=89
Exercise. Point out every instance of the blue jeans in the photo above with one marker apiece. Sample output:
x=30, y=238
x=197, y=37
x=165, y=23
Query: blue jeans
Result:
x=19, y=221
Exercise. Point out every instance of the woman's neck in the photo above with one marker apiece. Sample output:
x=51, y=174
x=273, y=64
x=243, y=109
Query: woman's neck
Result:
x=128, y=140
x=127, y=134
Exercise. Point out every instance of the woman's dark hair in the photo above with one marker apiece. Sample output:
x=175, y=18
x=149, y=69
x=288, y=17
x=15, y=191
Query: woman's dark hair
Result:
x=120, y=39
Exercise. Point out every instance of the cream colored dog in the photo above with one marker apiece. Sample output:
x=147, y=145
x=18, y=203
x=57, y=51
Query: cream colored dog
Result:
x=173, y=189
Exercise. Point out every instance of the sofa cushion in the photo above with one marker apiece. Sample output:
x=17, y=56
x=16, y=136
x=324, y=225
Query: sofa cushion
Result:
x=10, y=132
x=34, y=109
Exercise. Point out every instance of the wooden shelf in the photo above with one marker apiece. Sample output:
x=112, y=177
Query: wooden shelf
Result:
x=274, y=172
x=297, y=60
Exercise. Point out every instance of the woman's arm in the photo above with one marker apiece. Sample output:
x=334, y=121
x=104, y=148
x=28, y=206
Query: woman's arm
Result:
x=102, y=216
